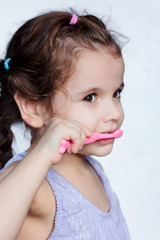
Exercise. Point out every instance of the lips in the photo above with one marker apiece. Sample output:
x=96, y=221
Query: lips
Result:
x=98, y=136
x=105, y=141
x=109, y=131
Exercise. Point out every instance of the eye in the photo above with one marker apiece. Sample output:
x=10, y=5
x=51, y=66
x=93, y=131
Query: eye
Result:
x=90, y=98
x=117, y=93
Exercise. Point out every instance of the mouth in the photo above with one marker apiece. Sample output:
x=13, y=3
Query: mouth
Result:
x=109, y=131
x=109, y=137
x=105, y=141
x=101, y=136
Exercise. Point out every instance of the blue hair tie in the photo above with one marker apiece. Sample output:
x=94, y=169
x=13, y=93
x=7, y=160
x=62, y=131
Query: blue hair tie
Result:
x=6, y=65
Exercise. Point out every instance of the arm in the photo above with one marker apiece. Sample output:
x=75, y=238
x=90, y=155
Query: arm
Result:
x=22, y=184
x=19, y=187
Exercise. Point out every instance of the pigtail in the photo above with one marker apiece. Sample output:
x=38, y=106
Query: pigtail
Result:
x=8, y=115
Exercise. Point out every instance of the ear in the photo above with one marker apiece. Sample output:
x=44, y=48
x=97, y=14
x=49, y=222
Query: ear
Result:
x=33, y=113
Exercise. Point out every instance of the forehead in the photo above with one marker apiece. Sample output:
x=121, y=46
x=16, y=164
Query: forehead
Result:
x=96, y=67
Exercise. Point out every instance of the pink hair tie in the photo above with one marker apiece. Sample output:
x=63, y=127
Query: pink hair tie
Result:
x=73, y=19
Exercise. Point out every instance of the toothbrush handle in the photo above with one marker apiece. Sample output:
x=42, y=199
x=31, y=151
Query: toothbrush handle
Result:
x=64, y=145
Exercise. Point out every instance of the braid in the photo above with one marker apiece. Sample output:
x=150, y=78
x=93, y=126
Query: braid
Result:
x=9, y=114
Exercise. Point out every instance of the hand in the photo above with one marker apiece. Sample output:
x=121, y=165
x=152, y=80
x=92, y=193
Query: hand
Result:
x=57, y=130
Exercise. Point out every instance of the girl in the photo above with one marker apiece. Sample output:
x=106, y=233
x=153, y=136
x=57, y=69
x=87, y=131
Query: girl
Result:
x=62, y=76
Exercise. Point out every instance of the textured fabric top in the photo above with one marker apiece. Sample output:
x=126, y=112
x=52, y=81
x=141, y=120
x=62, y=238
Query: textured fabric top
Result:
x=78, y=218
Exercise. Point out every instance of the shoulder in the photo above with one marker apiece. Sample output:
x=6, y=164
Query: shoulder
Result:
x=7, y=170
x=39, y=222
x=44, y=193
x=10, y=165
x=42, y=210
x=40, y=219
x=44, y=202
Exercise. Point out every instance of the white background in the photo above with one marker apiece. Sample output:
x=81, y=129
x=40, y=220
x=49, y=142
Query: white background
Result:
x=133, y=167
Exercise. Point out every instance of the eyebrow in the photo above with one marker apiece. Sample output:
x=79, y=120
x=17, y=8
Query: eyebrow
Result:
x=122, y=85
x=89, y=90
x=95, y=89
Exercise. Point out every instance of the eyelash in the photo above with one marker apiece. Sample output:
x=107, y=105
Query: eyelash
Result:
x=87, y=98
x=90, y=100
x=119, y=93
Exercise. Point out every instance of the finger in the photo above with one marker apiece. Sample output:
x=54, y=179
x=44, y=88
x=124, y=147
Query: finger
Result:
x=83, y=138
x=77, y=126
x=74, y=124
x=86, y=130
x=77, y=141
x=81, y=126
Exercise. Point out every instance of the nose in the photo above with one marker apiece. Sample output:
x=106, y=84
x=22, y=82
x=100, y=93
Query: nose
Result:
x=113, y=111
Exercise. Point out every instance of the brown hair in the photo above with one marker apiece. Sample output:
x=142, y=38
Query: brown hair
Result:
x=43, y=53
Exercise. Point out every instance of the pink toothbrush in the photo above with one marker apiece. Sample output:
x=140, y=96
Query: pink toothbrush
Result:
x=95, y=136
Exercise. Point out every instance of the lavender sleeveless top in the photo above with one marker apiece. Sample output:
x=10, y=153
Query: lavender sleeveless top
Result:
x=76, y=217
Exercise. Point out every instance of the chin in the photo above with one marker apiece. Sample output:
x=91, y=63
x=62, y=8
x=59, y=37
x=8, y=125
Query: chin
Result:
x=97, y=151
x=102, y=153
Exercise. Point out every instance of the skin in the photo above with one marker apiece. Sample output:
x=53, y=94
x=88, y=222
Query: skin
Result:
x=95, y=81
x=93, y=106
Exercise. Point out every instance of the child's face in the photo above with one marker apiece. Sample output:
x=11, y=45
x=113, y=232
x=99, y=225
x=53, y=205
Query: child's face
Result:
x=94, y=100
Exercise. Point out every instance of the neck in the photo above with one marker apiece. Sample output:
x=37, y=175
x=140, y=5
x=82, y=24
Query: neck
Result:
x=74, y=161
x=71, y=161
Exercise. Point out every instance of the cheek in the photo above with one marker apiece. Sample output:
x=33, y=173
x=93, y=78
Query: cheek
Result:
x=87, y=119
x=122, y=114
x=83, y=116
